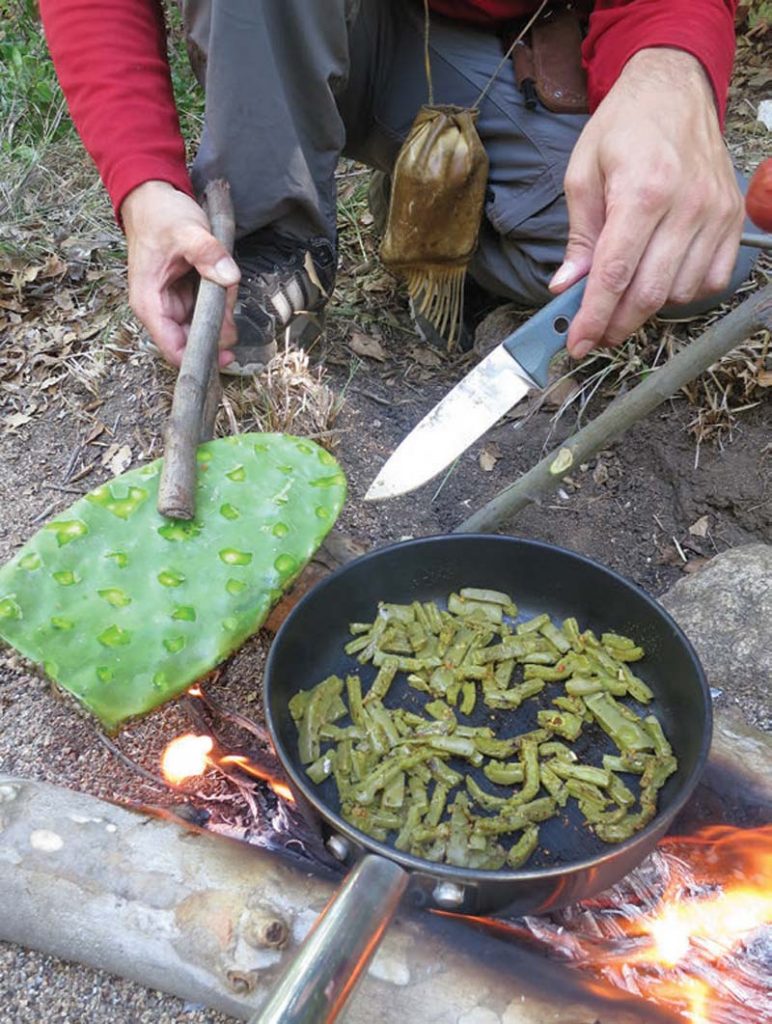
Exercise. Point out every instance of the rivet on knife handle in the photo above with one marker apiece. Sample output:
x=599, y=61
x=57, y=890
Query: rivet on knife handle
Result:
x=537, y=341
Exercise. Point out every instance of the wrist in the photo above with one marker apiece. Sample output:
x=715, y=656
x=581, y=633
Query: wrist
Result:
x=143, y=197
x=670, y=68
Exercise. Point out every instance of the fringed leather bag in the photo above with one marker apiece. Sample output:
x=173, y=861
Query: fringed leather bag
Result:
x=437, y=196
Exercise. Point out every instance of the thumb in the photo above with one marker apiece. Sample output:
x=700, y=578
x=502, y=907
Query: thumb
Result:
x=209, y=257
x=586, y=216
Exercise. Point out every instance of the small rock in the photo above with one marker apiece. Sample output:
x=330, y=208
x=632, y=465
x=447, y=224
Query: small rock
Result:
x=765, y=114
x=700, y=527
x=726, y=609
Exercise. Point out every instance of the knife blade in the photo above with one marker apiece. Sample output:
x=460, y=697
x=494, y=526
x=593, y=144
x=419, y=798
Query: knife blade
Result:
x=501, y=380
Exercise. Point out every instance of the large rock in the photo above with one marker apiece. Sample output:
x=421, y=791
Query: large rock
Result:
x=726, y=611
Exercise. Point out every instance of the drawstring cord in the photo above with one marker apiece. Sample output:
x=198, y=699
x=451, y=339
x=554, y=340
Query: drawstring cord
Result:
x=427, y=60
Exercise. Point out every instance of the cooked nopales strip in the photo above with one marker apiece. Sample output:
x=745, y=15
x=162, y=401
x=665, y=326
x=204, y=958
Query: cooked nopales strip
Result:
x=405, y=778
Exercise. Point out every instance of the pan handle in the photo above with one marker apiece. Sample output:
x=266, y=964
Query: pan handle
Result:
x=329, y=964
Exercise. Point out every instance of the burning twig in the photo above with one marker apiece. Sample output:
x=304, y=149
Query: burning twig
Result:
x=230, y=715
x=268, y=815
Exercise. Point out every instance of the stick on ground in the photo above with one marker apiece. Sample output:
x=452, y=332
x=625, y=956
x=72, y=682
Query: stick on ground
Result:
x=196, y=393
x=724, y=335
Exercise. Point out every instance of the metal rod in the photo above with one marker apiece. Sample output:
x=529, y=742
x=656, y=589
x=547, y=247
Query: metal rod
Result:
x=756, y=241
x=330, y=963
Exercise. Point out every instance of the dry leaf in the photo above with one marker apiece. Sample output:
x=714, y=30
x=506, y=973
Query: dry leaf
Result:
x=16, y=419
x=366, y=346
x=488, y=459
x=121, y=461
x=600, y=473
x=694, y=565
x=563, y=390
x=425, y=356
x=96, y=431
x=764, y=379
x=378, y=284
x=700, y=527
x=54, y=266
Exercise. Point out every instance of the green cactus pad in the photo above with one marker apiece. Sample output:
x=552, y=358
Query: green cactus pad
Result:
x=125, y=608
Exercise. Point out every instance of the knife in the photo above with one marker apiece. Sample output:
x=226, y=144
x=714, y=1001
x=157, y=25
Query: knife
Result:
x=491, y=389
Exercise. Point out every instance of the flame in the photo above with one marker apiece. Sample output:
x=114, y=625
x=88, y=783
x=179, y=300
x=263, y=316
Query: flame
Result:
x=281, y=789
x=185, y=756
x=721, y=922
x=677, y=931
x=732, y=868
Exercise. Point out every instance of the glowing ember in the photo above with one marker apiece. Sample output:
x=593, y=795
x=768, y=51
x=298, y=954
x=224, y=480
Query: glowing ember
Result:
x=281, y=789
x=185, y=756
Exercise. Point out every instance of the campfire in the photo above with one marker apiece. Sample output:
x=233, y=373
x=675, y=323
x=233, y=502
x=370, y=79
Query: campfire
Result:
x=689, y=930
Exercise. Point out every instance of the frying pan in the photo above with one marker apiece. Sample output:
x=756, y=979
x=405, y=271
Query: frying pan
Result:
x=540, y=578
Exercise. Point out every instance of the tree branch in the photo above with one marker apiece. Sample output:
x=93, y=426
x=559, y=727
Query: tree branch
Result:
x=729, y=332
x=196, y=393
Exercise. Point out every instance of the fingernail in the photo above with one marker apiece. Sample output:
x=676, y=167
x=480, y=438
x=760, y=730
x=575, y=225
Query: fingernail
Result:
x=564, y=273
x=582, y=348
x=226, y=271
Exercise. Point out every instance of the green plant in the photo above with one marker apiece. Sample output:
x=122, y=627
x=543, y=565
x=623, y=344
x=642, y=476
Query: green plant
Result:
x=125, y=609
x=31, y=105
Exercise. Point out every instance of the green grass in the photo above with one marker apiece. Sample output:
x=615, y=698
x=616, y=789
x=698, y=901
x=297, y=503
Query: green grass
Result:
x=31, y=107
x=32, y=110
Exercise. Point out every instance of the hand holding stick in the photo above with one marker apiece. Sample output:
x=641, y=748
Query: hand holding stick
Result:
x=196, y=393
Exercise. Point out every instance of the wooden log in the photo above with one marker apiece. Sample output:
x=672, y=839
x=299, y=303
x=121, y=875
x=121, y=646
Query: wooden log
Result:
x=215, y=921
x=724, y=335
x=196, y=392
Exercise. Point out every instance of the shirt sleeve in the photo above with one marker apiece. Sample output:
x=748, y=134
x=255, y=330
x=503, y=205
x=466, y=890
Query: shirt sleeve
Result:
x=111, y=61
x=620, y=28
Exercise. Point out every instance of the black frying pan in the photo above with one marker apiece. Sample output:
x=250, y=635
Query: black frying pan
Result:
x=540, y=578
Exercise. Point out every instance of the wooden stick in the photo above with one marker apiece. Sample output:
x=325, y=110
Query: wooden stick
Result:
x=729, y=332
x=211, y=403
x=193, y=407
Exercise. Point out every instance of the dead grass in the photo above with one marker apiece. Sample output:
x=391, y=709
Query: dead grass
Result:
x=291, y=396
x=739, y=382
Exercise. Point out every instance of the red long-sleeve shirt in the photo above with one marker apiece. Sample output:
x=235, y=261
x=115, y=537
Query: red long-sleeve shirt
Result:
x=111, y=61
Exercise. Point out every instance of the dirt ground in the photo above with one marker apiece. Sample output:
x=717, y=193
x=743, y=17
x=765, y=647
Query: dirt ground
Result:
x=653, y=505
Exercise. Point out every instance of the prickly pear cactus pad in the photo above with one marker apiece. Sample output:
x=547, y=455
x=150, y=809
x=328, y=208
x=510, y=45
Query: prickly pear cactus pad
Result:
x=125, y=609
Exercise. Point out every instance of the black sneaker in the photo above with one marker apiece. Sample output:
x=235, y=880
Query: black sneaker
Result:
x=284, y=287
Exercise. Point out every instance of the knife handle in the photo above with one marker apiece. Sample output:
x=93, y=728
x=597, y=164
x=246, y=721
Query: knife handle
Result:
x=535, y=343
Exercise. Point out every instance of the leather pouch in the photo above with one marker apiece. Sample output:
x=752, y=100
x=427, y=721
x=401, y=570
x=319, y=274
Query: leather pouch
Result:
x=549, y=65
x=436, y=206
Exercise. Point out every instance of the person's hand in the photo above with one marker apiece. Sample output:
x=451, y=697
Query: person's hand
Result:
x=169, y=240
x=655, y=213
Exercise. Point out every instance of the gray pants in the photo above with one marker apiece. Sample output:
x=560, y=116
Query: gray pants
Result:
x=293, y=84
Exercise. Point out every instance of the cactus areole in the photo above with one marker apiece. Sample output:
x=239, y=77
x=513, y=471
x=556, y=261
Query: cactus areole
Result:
x=125, y=609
